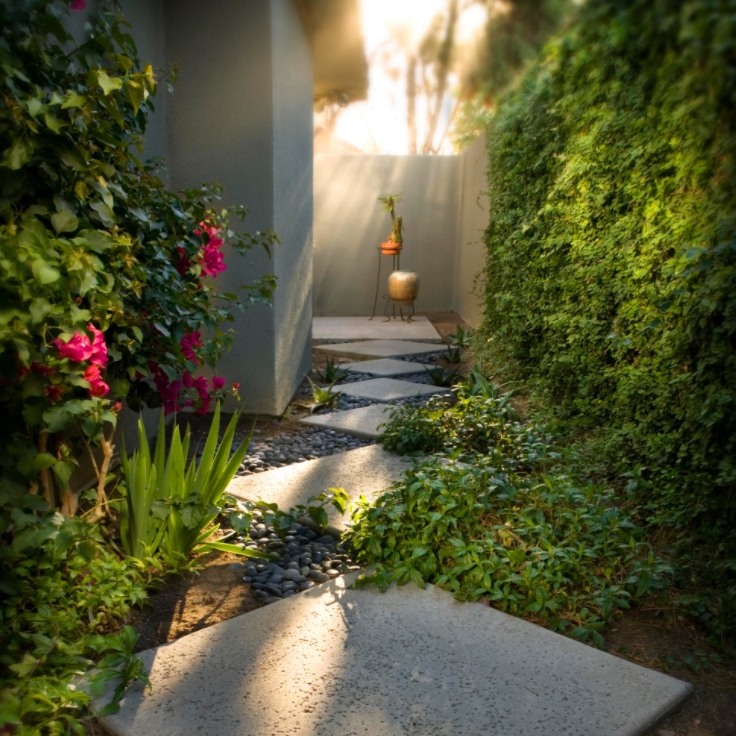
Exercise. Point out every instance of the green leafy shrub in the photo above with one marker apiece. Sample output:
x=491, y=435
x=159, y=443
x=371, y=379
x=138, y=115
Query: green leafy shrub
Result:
x=477, y=423
x=533, y=546
x=61, y=590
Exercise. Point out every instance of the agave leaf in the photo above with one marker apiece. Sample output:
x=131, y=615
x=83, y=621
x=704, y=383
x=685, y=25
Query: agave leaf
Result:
x=235, y=550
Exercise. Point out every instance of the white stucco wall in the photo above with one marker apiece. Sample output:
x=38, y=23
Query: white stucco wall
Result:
x=444, y=216
x=349, y=225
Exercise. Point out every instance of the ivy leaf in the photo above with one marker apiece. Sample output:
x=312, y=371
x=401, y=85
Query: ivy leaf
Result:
x=108, y=84
x=73, y=100
x=98, y=240
x=18, y=154
x=64, y=222
x=105, y=214
x=73, y=158
x=135, y=94
x=53, y=123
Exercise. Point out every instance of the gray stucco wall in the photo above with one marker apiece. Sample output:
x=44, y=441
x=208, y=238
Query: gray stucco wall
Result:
x=242, y=114
x=444, y=216
x=292, y=199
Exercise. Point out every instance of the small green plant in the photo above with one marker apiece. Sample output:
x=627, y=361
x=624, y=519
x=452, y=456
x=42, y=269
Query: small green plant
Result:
x=454, y=354
x=322, y=398
x=315, y=509
x=170, y=508
x=332, y=373
x=462, y=338
x=389, y=202
x=61, y=590
x=440, y=377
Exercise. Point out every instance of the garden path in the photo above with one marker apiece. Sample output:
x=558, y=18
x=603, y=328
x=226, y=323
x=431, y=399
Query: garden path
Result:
x=340, y=660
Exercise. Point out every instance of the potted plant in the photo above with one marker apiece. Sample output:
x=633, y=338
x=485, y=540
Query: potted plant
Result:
x=392, y=245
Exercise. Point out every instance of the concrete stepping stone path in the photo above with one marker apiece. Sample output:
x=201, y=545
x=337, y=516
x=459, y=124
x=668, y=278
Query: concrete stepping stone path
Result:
x=363, y=422
x=385, y=367
x=335, y=660
x=380, y=348
x=362, y=328
x=390, y=389
x=366, y=471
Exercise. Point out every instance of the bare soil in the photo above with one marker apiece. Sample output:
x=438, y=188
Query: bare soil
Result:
x=661, y=639
x=193, y=601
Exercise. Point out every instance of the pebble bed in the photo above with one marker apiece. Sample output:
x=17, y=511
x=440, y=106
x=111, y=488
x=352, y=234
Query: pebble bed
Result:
x=297, y=447
x=307, y=559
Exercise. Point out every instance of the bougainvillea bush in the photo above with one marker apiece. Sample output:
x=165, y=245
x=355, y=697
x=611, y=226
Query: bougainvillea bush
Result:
x=108, y=278
x=107, y=295
x=611, y=278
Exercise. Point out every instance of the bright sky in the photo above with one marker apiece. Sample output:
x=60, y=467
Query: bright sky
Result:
x=378, y=125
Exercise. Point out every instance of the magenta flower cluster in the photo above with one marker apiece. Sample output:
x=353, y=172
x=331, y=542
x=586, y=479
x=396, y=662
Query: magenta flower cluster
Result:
x=80, y=349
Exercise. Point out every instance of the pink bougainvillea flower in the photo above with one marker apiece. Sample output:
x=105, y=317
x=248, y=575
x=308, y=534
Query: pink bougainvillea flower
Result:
x=217, y=383
x=169, y=390
x=54, y=393
x=78, y=348
x=187, y=380
x=98, y=387
x=78, y=5
x=117, y=407
x=189, y=343
x=212, y=260
x=99, y=347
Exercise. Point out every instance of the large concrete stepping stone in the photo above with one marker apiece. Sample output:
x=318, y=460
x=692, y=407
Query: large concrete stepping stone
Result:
x=390, y=389
x=363, y=472
x=384, y=367
x=380, y=348
x=363, y=328
x=334, y=661
x=363, y=422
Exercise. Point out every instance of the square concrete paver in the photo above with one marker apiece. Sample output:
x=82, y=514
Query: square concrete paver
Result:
x=408, y=662
x=380, y=348
x=363, y=422
x=390, y=389
x=385, y=367
x=363, y=472
x=363, y=328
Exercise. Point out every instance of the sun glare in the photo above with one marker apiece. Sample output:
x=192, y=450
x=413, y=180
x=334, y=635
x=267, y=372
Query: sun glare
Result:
x=392, y=29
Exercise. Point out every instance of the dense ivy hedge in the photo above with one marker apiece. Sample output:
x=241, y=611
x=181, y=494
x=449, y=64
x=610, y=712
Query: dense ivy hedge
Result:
x=611, y=281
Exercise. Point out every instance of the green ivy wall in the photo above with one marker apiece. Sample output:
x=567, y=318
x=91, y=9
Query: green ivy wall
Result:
x=611, y=286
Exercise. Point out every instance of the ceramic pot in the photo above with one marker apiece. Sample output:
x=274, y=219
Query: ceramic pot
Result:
x=390, y=248
x=403, y=287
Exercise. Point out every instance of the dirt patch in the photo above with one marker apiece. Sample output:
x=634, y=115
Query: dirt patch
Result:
x=193, y=601
x=660, y=639
x=445, y=323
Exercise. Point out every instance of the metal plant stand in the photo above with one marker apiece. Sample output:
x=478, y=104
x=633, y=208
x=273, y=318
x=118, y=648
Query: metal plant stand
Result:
x=395, y=266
